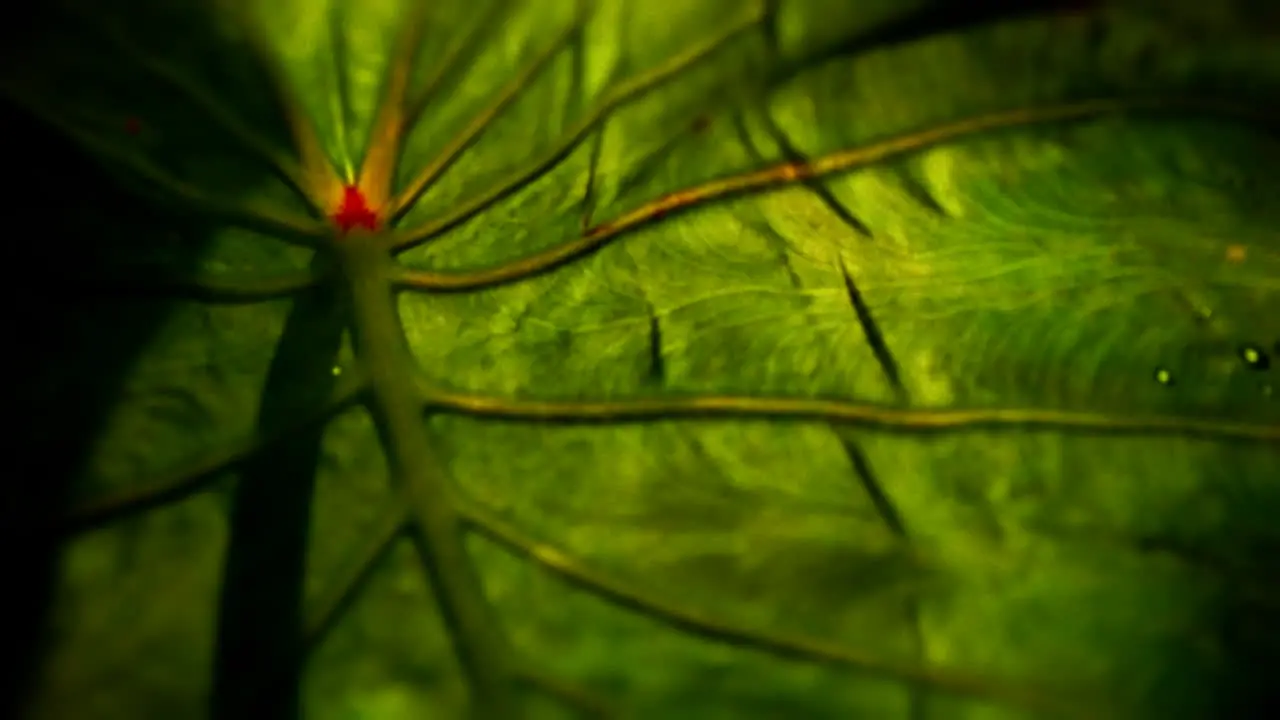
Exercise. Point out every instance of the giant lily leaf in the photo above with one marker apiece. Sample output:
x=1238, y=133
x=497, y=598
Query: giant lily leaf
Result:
x=711, y=359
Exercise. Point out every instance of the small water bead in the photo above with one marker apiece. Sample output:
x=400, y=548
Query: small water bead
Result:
x=1163, y=376
x=1255, y=357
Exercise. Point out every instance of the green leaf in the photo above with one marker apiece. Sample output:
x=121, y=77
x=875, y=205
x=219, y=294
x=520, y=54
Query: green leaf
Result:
x=716, y=359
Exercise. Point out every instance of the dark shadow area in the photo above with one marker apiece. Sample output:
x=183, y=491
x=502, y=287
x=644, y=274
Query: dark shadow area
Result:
x=259, y=656
x=1251, y=634
x=68, y=360
x=72, y=347
x=1249, y=612
x=927, y=21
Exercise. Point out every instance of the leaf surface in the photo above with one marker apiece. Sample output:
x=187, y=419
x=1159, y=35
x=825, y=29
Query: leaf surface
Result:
x=731, y=359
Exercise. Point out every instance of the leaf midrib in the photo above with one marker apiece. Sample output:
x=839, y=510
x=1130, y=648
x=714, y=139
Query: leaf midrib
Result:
x=368, y=269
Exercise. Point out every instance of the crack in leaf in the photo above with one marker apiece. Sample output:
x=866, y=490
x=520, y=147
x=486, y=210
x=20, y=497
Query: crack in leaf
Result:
x=873, y=488
x=874, y=336
x=793, y=155
x=657, y=361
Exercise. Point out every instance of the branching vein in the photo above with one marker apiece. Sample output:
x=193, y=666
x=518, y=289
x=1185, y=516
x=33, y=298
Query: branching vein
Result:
x=354, y=573
x=199, y=473
x=405, y=199
x=616, y=98
x=779, y=175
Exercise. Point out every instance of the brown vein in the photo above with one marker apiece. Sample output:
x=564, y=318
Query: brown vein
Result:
x=868, y=415
x=793, y=172
x=377, y=171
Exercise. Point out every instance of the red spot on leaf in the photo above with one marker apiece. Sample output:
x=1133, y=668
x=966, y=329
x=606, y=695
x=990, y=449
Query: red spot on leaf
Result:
x=354, y=211
x=132, y=125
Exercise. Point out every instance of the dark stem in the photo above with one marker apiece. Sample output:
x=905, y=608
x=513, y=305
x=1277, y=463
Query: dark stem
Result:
x=366, y=263
x=260, y=613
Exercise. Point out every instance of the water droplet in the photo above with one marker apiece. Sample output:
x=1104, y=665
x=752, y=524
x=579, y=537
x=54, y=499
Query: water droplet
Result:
x=1255, y=357
x=336, y=371
x=1163, y=376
